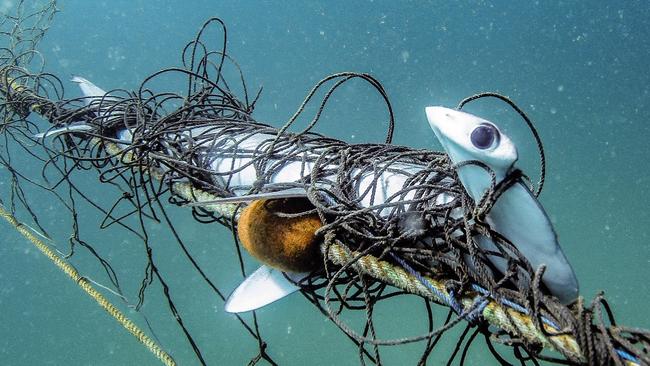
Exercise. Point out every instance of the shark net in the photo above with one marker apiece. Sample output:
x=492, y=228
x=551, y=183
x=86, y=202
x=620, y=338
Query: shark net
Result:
x=159, y=149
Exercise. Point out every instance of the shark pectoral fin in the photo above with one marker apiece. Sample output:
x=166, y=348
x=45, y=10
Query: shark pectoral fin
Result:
x=89, y=90
x=518, y=216
x=286, y=193
x=261, y=288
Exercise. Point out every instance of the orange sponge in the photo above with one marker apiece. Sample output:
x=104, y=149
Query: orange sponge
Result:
x=286, y=243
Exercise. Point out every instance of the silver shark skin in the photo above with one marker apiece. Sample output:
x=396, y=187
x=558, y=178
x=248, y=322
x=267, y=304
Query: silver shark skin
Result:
x=268, y=285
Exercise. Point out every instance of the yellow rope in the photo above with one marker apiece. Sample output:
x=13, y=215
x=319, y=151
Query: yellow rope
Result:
x=89, y=289
x=496, y=314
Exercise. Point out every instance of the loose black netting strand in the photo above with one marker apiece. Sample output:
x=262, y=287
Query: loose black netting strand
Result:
x=146, y=143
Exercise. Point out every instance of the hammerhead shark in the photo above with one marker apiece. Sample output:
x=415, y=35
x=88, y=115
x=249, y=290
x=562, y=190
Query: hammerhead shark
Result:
x=516, y=214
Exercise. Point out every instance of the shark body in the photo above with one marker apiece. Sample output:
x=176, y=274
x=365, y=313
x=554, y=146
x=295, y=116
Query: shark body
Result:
x=516, y=214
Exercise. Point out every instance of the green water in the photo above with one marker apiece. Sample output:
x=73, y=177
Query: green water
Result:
x=578, y=68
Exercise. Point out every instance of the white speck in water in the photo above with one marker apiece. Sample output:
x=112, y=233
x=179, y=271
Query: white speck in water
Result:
x=322, y=33
x=553, y=110
x=405, y=56
x=560, y=88
x=289, y=330
x=606, y=227
x=352, y=136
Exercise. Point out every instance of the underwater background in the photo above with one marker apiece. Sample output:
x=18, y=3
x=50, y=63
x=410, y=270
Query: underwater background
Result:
x=580, y=69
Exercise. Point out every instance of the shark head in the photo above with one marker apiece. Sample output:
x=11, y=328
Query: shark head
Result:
x=465, y=138
x=516, y=214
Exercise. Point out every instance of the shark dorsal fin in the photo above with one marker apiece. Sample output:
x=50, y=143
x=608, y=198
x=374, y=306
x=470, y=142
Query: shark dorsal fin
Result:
x=89, y=90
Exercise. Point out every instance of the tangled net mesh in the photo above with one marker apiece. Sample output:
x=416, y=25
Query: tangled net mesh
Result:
x=189, y=138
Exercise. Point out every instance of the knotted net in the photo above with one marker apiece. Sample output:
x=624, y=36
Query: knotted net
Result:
x=159, y=149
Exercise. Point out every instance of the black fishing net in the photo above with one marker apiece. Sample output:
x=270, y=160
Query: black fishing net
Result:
x=147, y=143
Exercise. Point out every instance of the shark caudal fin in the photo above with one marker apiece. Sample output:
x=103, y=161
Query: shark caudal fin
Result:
x=91, y=93
x=89, y=90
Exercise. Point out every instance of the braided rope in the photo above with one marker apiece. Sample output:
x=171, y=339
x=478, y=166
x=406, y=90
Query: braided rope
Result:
x=494, y=313
x=85, y=285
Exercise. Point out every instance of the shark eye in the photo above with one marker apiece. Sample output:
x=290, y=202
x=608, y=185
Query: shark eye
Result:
x=484, y=136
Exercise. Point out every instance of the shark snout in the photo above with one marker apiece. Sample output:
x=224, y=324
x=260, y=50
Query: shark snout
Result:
x=439, y=116
x=440, y=119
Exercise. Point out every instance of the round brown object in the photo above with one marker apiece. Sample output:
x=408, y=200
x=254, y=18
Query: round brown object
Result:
x=286, y=243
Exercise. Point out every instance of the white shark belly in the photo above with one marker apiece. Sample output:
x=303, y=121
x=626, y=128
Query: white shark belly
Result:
x=387, y=186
